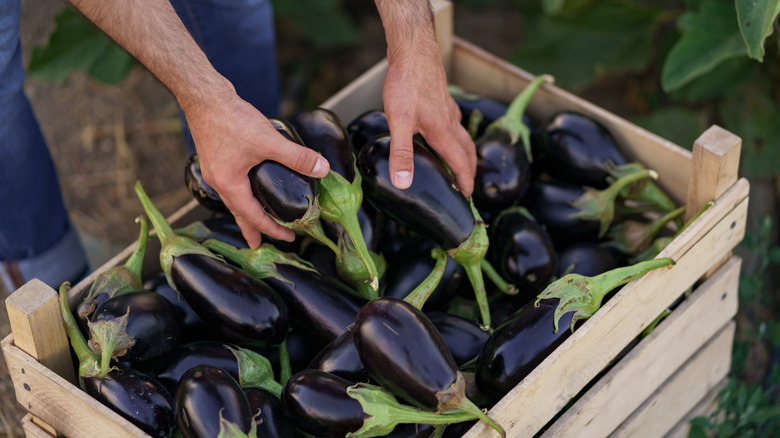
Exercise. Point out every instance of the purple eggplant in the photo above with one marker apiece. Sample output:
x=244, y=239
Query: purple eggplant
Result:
x=270, y=419
x=233, y=303
x=206, y=397
x=152, y=321
x=340, y=358
x=578, y=149
x=522, y=251
x=464, y=339
x=402, y=350
x=322, y=130
x=200, y=190
x=551, y=203
x=587, y=258
x=192, y=326
x=489, y=110
x=365, y=127
x=173, y=365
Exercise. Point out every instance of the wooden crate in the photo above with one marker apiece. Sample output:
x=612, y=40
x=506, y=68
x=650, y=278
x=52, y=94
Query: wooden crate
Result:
x=665, y=379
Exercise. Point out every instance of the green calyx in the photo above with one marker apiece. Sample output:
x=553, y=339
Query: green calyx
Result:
x=645, y=190
x=512, y=121
x=260, y=262
x=583, y=295
x=423, y=291
x=231, y=430
x=310, y=224
x=255, y=370
x=599, y=205
x=340, y=201
x=384, y=412
x=123, y=278
x=354, y=272
x=632, y=236
x=109, y=340
x=470, y=254
x=172, y=245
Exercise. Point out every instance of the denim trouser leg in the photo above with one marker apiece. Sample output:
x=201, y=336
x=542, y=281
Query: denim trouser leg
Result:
x=239, y=39
x=36, y=237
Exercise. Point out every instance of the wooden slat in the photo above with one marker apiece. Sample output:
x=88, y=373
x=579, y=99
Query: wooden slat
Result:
x=35, y=430
x=715, y=167
x=547, y=389
x=678, y=395
x=443, y=26
x=704, y=408
x=36, y=322
x=70, y=411
x=616, y=395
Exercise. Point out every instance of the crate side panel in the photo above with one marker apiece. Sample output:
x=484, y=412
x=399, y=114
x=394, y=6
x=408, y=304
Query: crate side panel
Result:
x=706, y=407
x=65, y=407
x=547, y=389
x=616, y=395
x=483, y=73
x=683, y=391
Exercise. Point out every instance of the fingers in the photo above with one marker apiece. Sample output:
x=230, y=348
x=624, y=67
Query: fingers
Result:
x=251, y=217
x=401, y=161
x=298, y=158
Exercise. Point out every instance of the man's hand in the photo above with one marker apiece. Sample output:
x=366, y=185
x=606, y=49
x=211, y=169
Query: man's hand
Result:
x=416, y=96
x=231, y=137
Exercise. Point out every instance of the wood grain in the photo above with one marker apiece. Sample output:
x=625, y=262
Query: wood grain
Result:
x=715, y=167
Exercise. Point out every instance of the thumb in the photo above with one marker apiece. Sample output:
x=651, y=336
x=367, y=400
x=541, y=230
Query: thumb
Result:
x=300, y=159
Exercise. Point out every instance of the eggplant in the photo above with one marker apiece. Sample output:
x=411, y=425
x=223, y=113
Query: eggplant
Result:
x=340, y=358
x=517, y=346
x=402, y=350
x=412, y=266
x=225, y=297
x=173, y=365
x=206, y=397
x=269, y=415
x=551, y=203
x=522, y=251
x=365, y=127
x=137, y=397
x=463, y=338
x=587, y=258
x=431, y=206
x=322, y=307
x=578, y=149
x=152, y=321
x=200, y=190
x=340, y=193
x=504, y=156
x=322, y=404
x=132, y=394
x=192, y=326
x=489, y=110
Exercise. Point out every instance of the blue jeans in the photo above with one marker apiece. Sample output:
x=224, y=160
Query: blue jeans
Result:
x=37, y=239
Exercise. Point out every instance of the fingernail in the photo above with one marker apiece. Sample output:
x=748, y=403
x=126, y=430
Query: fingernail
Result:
x=320, y=168
x=403, y=179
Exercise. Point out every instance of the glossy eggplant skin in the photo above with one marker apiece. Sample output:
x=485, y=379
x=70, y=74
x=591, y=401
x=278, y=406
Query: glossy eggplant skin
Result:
x=503, y=172
x=271, y=422
x=522, y=251
x=229, y=300
x=341, y=358
x=550, y=202
x=576, y=148
x=587, y=258
x=152, y=321
x=491, y=110
x=322, y=130
x=402, y=350
x=169, y=370
x=365, y=127
x=321, y=307
x=204, y=394
x=139, y=398
x=413, y=263
x=192, y=326
x=431, y=206
x=318, y=404
x=200, y=190
x=517, y=346
x=284, y=193
x=463, y=338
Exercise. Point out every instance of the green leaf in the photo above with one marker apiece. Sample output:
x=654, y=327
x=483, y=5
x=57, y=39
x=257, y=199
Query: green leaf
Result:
x=76, y=44
x=756, y=18
x=552, y=7
x=709, y=37
x=680, y=125
x=323, y=23
x=605, y=37
x=725, y=78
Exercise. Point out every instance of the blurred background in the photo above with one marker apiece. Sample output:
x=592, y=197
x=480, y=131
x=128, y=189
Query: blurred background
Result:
x=673, y=67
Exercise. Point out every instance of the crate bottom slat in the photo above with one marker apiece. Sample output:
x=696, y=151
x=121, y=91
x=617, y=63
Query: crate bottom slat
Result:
x=705, y=407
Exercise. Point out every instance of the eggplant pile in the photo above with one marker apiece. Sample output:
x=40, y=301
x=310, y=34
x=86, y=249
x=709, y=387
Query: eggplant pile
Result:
x=396, y=312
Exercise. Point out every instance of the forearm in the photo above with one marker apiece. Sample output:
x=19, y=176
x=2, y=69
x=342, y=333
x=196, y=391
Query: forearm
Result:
x=408, y=27
x=151, y=31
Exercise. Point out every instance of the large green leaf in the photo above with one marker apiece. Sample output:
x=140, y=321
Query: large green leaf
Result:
x=754, y=116
x=756, y=18
x=606, y=37
x=76, y=44
x=720, y=81
x=679, y=125
x=709, y=37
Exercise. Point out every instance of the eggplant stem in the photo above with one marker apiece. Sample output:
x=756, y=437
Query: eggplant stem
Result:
x=318, y=234
x=423, y=291
x=285, y=369
x=474, y=272
x=135, y=262
x=352, y=227
x=467, y=405
x=77, y=341
x=502, y=285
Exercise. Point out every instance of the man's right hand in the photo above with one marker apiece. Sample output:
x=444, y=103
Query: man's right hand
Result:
x=231, y=137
